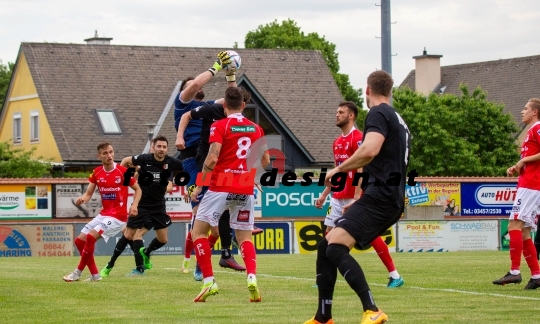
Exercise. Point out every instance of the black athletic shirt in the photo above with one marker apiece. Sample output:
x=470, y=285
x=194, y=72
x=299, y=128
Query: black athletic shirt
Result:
x=394, y=153
x=154, y=194
x=209, y=114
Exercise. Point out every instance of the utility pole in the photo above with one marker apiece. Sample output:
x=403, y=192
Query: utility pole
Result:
x=386, y=37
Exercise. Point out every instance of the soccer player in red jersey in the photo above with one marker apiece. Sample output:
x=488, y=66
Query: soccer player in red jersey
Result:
x=232, y=186
x=109, y=178
x=344, y=147
x=523, y=219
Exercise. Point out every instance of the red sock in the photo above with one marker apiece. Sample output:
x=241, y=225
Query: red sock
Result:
x=248, y=254
x=212, y=240
x=382, y=250
x=529, y=252
x=189, y=246
x=516, y=248
x=87, y=253
x=80, y=245
x=204, y=256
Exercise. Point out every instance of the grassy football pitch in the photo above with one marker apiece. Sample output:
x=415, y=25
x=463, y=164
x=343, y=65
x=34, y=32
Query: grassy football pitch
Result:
x=452, y=287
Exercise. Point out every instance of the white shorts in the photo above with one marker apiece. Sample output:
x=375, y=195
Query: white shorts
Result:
x=526, y=206
x=106, y=226
x=240, y=207
x=335, y=210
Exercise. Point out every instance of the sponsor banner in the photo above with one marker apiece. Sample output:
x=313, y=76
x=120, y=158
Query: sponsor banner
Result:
x=492, y=199
x=257, y=202
x=309, y=234
x=52, y=240
x=444, y=236
x=293, y=201
x=276, y=238
x=66, y=196
x=25, y=201
x=444, y=194
x=175, y=244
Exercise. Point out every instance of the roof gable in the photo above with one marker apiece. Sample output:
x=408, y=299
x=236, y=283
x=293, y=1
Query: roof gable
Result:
x=73, y=80
x=511, y=81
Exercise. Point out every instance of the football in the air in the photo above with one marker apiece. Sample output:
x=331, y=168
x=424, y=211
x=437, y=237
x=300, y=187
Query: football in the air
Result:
x=236, y=61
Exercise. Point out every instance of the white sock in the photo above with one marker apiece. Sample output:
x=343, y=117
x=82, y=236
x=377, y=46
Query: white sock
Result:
x=252, y=276
x=515, y=272
x=207, y=280
x=77, y=271
x=395, y=275
x=187, y=259
x=535, y=277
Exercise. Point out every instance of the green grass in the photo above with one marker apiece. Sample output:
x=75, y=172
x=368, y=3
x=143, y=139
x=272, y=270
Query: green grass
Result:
x=439, y=288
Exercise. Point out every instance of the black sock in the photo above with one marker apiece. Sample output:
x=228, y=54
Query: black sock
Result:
x=118, y=249
x=537, y=244
x=326, y=280
x=225, y=234
x=139, y=262
x=352, y=273
x=154, y=245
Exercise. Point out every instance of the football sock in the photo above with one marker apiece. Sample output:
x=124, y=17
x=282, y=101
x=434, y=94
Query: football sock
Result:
x=249, y=257
x=203, y=253
x=188, y=246
x=118, y=249
x=352, y=273
x=87, y=254
x=153, y=246
x=225, y=233
x=212, y=240
x=139, y=262
x=516, y=248
x=80, y=245
x=384, y=254
x=537, y=244
x=326, y=280
x=529, y=253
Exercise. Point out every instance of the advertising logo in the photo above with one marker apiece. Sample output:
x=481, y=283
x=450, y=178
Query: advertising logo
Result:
x=491, y=196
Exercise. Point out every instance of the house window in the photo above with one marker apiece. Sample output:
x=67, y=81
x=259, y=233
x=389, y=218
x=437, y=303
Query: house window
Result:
x=17, y=129
x=109, y=123
x=34, y=126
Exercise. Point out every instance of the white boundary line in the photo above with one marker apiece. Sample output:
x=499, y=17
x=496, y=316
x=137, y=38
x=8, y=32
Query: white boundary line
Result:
x=381, y=285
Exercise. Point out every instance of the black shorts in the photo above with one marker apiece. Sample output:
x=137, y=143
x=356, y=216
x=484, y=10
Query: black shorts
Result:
x=369, y=217
x=149, y=217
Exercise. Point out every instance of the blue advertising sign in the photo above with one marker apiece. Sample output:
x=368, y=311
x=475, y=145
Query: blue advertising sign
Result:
x=276, y=238
x=418, y=194
x=293, y=201
x=487, y=199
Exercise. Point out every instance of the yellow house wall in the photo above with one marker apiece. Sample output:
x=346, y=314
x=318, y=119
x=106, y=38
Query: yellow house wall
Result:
x=23, y=98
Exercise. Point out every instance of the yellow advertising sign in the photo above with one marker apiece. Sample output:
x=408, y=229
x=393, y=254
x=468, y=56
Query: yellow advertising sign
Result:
x=25, y=201
x=444, y=194
x=36, y=240
x=309, y=234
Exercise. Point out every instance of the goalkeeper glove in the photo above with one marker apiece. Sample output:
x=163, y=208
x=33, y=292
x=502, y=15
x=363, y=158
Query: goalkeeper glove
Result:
x=230, y=74
x=223, y=59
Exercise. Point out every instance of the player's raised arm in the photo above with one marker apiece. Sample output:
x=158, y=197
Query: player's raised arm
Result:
x=87, y=195
x=202, y=79
x=184, y=121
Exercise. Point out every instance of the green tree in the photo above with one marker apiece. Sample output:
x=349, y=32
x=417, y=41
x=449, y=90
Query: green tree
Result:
x=18, y=163
x=464, y=135
x=5, y=76
x=288, y=35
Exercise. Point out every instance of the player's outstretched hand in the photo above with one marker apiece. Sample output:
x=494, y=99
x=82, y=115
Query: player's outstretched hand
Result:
x=79, y=201
x=133, y=211
x=222, y=60
x=320, y=202
x=195, y=193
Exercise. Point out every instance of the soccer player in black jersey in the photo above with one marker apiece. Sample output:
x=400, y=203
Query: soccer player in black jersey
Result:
x=384, y=155
x=155, y=173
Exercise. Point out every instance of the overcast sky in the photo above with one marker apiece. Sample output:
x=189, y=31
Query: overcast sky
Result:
x=463, y=31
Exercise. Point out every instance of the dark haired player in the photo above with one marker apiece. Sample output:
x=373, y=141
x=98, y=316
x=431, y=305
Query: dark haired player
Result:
x=384, y=154
x=344, y=147
x=152, y=209
x=231, y=141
